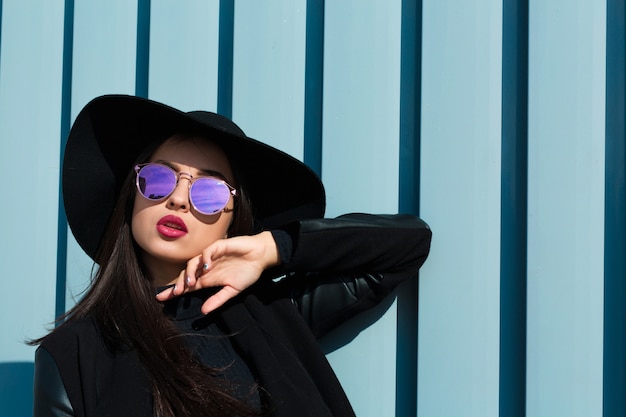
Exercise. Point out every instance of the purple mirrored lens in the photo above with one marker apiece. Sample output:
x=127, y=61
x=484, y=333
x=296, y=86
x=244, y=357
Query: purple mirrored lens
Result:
x=156, y=182
x=209, y=195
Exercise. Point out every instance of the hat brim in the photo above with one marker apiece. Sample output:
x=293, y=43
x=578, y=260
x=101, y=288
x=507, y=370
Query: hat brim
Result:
x=111, y=132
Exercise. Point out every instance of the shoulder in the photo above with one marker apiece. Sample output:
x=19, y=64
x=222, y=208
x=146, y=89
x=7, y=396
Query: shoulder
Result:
x=62, y=360
x=84, y=326
x=50, y=397
x=68, y=337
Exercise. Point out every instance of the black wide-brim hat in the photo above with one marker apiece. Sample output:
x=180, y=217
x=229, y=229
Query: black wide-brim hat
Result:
x=112, y=131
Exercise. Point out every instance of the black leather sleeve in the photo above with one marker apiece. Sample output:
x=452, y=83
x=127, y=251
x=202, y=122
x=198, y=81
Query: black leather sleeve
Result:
x=340, y=267
x=49, y=395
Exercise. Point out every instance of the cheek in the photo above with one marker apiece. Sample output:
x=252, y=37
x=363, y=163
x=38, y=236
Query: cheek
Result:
x=139, y=219
x=217, y=229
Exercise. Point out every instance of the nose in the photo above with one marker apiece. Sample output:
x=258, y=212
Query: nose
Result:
x=179, y=199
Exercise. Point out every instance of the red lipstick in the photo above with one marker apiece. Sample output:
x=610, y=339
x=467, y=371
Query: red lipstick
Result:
x=171, y=226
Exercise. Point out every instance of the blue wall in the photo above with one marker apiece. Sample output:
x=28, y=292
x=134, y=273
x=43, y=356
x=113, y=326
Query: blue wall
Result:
x=500, y=122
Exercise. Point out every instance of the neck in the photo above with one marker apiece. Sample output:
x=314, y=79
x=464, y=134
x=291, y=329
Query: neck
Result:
x=162, y=272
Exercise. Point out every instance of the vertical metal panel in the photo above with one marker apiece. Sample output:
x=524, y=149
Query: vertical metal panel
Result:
x=361, y=105
x=66, y=106
x=29, y=143
x=143, y=48
x=513, y=257
x=314, y=85
x=105, y=49
x=30, y=80
x=409, y=191
x=565, y=207
x=104, y=62
x=0, y=34
x=268, y=75
x=360, y=166
x=614, y=368
x=410, y=94
x=458, y=343
x=225, y=63
x=184, y=63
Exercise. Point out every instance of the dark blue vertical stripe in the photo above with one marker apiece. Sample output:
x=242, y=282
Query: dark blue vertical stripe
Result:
x=225, y=58
x=410, y=95
x=614, y=375
x=409, y=191
x=513, y=252
x=66, y=108
x=314, y=85
x=143, y=48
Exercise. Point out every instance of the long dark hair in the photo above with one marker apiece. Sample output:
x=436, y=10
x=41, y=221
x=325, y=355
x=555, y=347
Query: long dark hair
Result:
x=121, y=299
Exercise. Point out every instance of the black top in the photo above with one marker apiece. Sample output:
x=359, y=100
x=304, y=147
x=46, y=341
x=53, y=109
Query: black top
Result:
x=338, y=268
x=209, y=342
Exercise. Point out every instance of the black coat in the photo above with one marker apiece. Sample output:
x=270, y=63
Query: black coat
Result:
x=336, y=269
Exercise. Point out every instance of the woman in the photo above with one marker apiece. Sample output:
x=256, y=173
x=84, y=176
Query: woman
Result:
x=216, y=272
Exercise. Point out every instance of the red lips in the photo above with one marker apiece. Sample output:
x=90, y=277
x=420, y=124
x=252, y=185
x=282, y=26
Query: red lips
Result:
x=171, y=226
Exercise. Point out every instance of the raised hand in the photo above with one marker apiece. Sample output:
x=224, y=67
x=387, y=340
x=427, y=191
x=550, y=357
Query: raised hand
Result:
x=234, y=264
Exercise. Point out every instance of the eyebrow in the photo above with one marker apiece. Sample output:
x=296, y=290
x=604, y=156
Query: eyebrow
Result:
x=202, y=172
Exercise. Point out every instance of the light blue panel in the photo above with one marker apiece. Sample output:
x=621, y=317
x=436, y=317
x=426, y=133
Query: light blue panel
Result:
x=360, y=166
x=104, y=49
x=268, y=72
x=183, y=53
x=30, y=108
x=458, y=345
x=361, y=105
x=103, y=62
x=565, y=207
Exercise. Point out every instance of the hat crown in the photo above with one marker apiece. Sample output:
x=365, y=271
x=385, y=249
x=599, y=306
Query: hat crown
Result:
x=112, y=131
x=217, y=121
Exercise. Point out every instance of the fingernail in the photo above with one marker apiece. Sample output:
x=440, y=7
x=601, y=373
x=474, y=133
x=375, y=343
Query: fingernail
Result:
x=188, y=280
x=205, y=266
x=174, y=289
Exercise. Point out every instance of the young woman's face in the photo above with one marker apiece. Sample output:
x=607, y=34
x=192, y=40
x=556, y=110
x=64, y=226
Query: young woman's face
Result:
x=171, y=231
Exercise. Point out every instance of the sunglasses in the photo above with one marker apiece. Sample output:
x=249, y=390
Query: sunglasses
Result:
x=208, y=195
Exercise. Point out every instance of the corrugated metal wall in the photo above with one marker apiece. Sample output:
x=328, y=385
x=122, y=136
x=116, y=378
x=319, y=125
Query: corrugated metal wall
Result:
x=500, y=122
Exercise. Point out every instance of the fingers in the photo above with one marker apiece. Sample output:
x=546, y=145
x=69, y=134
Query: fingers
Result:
x=179, y=287
x=233, y=264
x=166, y=294
x=218, y=299
x=187, y=280
x=192, y=272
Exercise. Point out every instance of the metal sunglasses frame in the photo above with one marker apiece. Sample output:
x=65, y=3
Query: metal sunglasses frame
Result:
x=190, y=178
